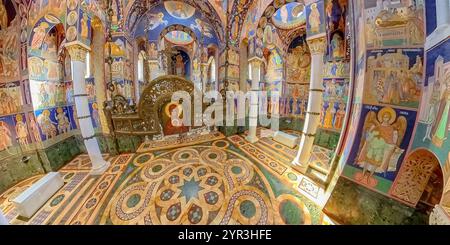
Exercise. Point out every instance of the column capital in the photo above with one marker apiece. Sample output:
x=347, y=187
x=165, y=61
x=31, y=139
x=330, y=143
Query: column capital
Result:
x=317, y=45
x=77, y=53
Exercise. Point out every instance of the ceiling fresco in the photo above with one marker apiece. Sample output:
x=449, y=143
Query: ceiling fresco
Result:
x=208, y=11
x=175, y=13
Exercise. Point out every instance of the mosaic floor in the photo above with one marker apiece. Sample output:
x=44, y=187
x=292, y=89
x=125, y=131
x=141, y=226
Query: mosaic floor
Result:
x=224, y=181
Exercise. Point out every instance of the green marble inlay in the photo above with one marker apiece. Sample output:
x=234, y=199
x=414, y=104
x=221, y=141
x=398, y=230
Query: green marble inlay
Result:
x=291, y=213
x=236, y=170
x=157, y=168
x=248, y=209
x=133, y=200
x=292, y=176
x=57, y=200
x=143, y=159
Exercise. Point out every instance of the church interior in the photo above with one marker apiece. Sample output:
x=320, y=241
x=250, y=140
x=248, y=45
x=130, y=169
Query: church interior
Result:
x=211, y=112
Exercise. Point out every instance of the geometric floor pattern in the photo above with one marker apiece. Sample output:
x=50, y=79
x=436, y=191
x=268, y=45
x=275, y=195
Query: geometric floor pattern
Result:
x=216, y=182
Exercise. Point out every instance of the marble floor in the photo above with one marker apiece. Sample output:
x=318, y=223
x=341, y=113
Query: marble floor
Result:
x=220, y=181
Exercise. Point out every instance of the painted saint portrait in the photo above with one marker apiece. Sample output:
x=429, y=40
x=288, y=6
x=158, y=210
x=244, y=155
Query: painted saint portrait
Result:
x=179, y=10
x=171, y=114
x=382, y=135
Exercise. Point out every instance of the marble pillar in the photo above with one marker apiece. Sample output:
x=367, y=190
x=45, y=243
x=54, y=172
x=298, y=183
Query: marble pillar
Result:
x=3, y=220
x=255, y=64
x=78, y=56
x=317, y=47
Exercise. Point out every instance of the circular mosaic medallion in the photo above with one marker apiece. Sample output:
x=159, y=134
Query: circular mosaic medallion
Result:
x=198, y=185
x=291, y=213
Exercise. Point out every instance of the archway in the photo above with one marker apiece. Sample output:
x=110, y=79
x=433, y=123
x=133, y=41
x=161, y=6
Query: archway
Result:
x=50, y=84
x=211, y=81
x=181, y=49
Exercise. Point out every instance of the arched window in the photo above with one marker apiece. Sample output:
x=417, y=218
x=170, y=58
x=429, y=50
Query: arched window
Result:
x=213, y=71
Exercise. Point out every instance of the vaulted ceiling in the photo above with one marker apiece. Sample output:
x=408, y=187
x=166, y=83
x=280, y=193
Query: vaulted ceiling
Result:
x=211, y=10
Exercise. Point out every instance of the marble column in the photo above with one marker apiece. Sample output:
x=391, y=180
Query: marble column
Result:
x=255, y=64
x=317, y=47
x=78, y=56
x=3, y=220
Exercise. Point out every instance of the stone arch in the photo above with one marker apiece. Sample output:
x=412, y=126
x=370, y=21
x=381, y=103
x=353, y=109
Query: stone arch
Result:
x=266, y=19
x=415, y=175
x=41, y=28
x=36, y=60
x=178, y=27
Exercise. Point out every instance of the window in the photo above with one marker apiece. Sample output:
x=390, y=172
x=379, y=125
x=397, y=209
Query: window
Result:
x=213, y=71
x=141, y=68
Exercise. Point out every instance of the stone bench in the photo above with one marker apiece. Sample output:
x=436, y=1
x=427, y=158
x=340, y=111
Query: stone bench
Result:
x=286, y=139
x=33, y=198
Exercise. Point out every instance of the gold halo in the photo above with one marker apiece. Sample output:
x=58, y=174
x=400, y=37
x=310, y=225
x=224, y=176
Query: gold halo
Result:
x=390, y=111
x=166, y=109
x=19, y=118
x=46, y=113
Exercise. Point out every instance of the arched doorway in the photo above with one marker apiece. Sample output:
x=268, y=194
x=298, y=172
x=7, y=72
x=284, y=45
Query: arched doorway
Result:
x=420, y=181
